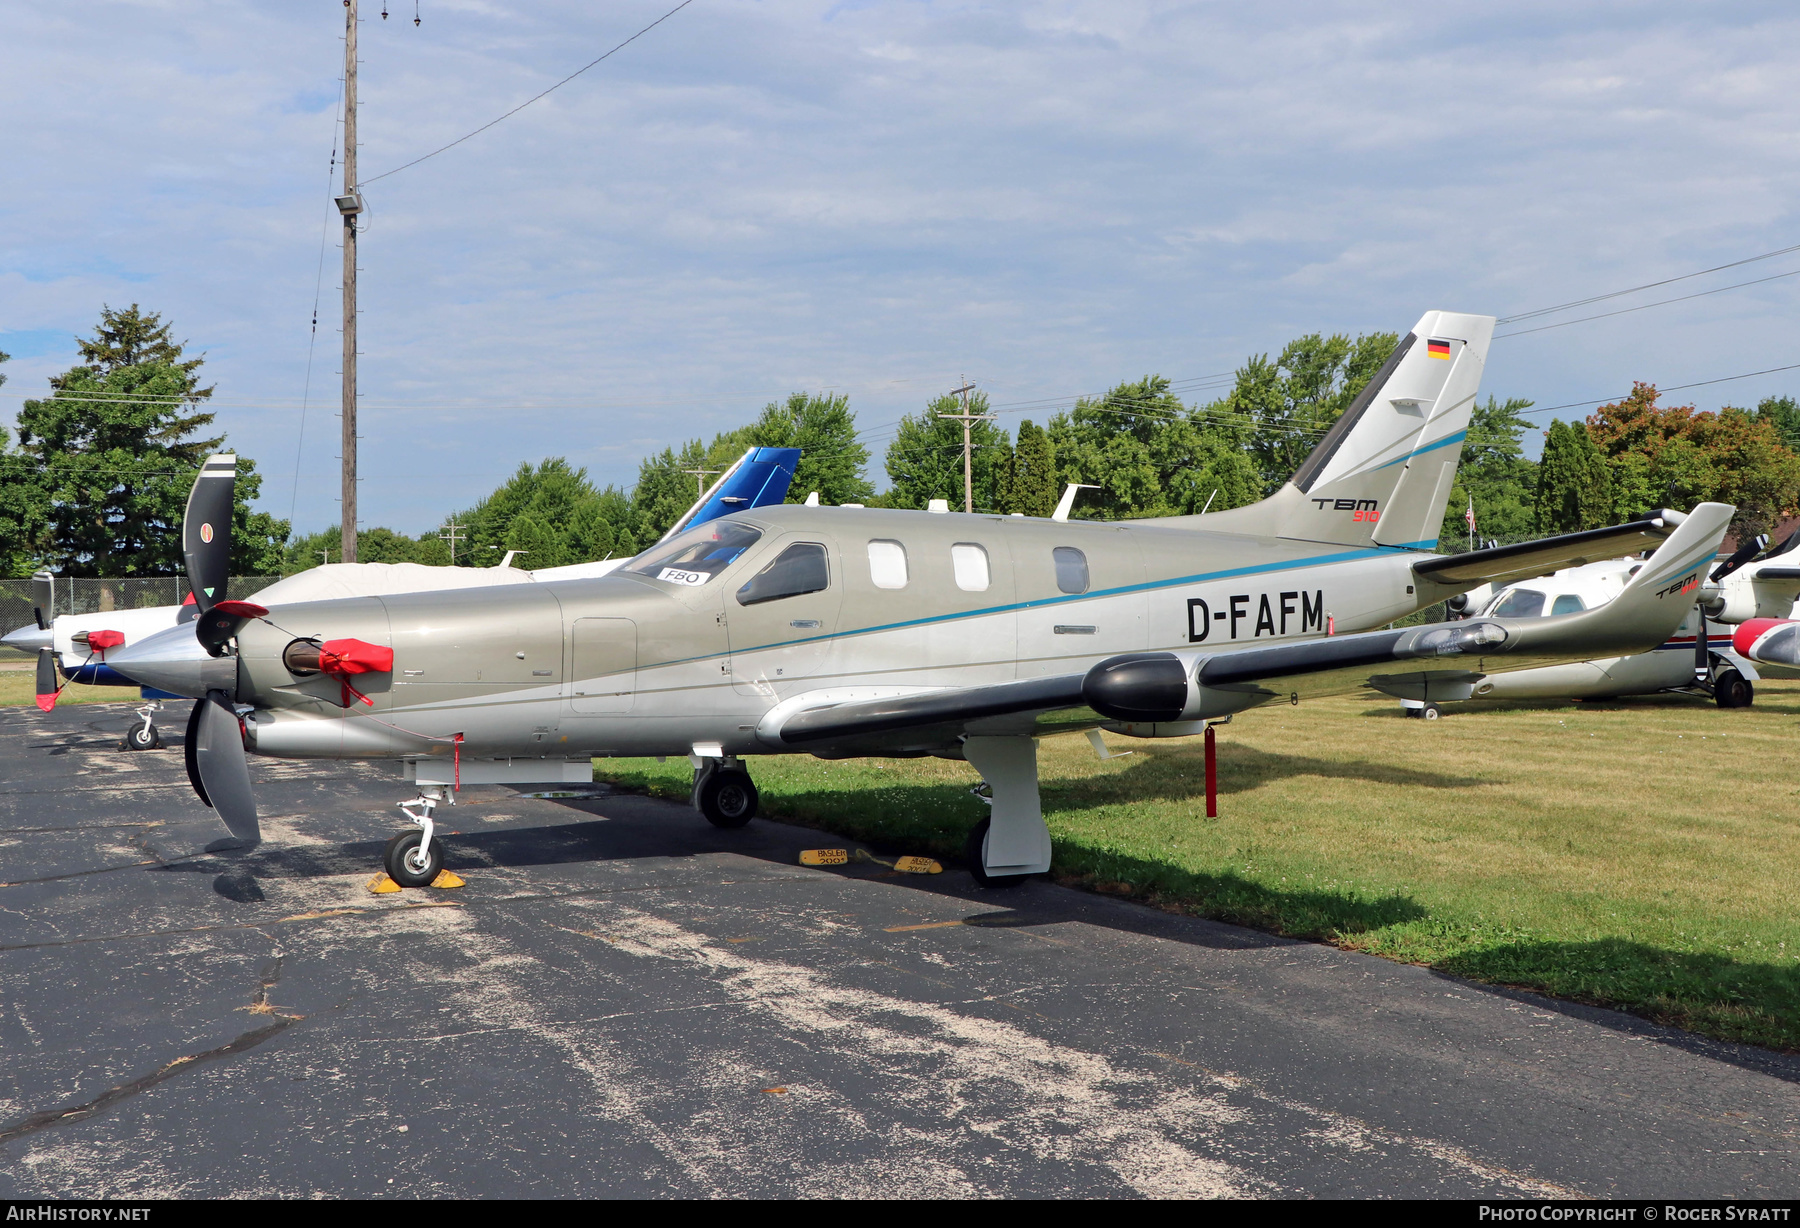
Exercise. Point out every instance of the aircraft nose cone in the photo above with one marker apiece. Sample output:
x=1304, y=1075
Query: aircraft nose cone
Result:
x=173, y=660
x=28, y=638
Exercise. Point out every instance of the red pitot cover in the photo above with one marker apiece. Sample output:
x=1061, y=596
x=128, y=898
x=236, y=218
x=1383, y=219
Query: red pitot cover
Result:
x=343, y=659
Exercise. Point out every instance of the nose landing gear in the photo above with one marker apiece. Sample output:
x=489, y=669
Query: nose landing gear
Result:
x=413, y=858
x=144, y=736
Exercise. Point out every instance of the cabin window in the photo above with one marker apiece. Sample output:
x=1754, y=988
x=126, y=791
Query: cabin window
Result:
x=698, y=555
x=801, y=568
x=1567, y=603
x=1519, y=603
x=1071, y=569
x=887, y=564
x=971, y=564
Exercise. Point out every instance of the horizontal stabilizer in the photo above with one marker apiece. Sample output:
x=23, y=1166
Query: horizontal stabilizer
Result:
x=1505, y=564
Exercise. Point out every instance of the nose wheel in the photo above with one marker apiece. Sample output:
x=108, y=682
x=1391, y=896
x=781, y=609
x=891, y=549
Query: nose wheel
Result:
x=143, y=736
x=411, y=862
x=413, y=858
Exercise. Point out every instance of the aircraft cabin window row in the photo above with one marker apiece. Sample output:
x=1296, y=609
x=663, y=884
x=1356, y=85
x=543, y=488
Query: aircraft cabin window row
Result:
x=1071, y=569
x=887, y=564
x=801, y=568
x=970, y=563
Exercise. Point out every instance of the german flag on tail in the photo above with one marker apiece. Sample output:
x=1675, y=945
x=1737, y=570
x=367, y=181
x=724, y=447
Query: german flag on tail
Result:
x=1438, y=349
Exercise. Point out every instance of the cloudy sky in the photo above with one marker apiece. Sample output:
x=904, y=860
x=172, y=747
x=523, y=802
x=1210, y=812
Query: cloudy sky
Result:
x=879, y=198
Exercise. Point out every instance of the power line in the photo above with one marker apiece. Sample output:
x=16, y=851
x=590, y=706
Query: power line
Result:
x=1649, y=285
x=1646, y=306
x=1723, y=379
x=459, y=140
x=318, y=287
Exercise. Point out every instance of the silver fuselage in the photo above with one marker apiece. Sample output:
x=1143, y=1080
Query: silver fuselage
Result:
x=633, y=665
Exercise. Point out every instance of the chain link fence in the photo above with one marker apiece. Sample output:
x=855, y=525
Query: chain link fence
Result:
x=80, y=595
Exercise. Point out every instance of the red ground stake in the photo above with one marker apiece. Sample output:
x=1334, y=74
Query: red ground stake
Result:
x=1212, y=776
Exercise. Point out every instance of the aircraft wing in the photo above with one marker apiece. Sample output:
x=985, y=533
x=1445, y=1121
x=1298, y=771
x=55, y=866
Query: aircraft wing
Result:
x=1161, y=688
x=1504, y=564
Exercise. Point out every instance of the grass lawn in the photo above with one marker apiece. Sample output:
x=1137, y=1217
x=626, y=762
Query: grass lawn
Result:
x=18, y=685
x=1641, y=854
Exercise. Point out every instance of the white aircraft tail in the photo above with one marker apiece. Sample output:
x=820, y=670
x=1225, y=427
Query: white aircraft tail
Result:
x=1382, y=475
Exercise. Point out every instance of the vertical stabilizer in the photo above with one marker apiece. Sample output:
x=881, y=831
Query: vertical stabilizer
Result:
x=1382, y=474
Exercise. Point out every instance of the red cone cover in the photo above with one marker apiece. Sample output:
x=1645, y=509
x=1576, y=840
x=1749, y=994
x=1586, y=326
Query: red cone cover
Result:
x=1749, y=632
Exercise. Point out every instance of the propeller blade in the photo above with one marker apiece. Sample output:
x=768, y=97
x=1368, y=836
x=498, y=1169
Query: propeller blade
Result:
x=46, y=679
x=1744, y=553
x=43, y=593
x=190, y=750
x=206, y=529
x=224, y=771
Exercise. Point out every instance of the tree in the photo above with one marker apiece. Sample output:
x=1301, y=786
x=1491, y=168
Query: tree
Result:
x=24, y=507
x=1677, y=456
x=665, y=491
x=114, y=443
x=1495, y=476
x=1153, y=456
x=925, y=459
x=823, y=428
x=1574, y=489
x=1029, y=486
x=1784, y=414
x=1295, y=399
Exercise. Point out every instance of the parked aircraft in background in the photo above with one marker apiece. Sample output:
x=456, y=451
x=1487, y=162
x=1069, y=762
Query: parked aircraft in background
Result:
x=1739, y=588
x=77, y=644
x=844, y=632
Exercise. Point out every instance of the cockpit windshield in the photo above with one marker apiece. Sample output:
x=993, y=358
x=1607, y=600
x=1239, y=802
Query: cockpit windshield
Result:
x=698, y=555
x=1518, y=603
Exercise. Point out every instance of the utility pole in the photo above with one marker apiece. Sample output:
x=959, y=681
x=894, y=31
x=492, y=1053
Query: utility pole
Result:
x=452, y=537
x=350, y=204
x=700, y=476
x=968, y=420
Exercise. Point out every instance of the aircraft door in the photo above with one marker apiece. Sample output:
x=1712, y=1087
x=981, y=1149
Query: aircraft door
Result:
x=603, y=665
x=781, y=618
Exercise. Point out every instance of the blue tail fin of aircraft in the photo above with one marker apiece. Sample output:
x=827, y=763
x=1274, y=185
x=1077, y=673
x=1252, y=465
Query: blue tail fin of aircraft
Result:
x=758, y=478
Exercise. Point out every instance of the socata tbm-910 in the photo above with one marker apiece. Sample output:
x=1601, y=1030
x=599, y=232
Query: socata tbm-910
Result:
x=843, y=632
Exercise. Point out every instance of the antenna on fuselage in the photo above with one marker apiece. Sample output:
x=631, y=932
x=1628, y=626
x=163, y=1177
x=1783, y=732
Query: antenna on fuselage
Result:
x=1067, y=503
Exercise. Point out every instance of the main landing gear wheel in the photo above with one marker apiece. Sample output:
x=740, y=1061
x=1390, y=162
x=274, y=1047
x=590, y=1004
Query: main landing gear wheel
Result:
x=975, y=853
x=1732, y=690
x=143, y=737
x=728, y=799
x=1430, y=712
x=406, y=866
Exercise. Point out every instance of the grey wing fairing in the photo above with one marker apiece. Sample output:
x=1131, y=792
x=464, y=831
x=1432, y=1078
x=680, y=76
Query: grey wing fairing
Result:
x=950, y=711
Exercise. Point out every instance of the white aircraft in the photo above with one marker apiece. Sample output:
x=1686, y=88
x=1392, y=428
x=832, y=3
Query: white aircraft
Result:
x=77, y=644
x=844, y=632
x=1739, y=588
